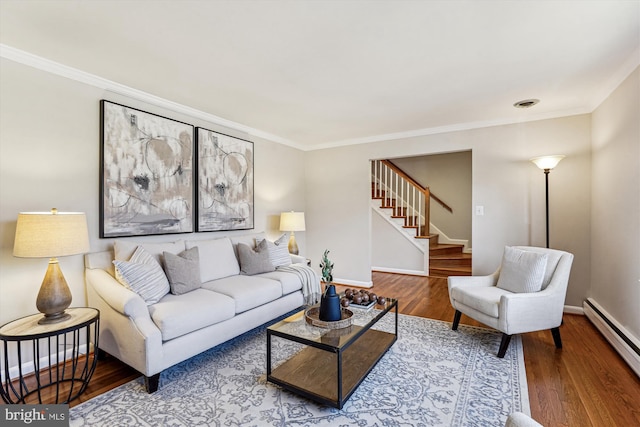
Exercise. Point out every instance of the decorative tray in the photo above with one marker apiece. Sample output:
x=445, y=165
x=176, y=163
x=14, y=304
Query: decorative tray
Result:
x=312, y=316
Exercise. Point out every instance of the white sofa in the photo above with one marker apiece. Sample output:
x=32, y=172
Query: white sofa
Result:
x=152, y=337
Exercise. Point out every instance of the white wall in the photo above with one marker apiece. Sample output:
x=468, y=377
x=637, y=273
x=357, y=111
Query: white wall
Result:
x=615, y=206
x=392, y=250
x=510, y=188
x=49, y=157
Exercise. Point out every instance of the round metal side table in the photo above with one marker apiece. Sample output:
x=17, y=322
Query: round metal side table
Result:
x=63, y=356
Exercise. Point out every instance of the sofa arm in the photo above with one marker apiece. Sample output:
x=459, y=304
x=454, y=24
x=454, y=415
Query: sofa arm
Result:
x=118, y=297
x=532, y=311
x=297, y=259
x=490, y=280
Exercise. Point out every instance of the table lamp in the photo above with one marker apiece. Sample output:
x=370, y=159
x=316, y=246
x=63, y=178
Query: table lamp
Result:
x=292, y=221
x=51, y=235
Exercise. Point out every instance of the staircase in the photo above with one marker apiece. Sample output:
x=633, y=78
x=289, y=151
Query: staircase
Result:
x=407, y=205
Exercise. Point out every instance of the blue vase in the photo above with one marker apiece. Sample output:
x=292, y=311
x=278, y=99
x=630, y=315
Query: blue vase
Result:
x=330, y=305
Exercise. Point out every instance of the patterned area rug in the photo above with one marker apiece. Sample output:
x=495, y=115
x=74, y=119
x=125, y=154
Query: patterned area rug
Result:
x=432, y=376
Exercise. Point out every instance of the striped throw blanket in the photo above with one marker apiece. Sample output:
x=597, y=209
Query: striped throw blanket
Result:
x=310, y=281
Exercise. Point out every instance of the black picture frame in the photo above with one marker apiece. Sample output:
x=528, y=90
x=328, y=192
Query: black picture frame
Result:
x=146, y=173
x=225, y=182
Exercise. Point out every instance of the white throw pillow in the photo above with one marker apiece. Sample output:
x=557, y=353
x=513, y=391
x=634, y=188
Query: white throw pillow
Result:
x=217, y=259
x=143, y=275
x=279, y=251
x=522, y=271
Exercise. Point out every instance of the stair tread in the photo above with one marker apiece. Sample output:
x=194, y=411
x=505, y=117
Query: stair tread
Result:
x=451, y=256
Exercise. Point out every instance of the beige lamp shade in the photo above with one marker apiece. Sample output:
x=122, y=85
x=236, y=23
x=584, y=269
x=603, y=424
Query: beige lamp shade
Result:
x=547, y=162
x=292, y=221
x=50, y=234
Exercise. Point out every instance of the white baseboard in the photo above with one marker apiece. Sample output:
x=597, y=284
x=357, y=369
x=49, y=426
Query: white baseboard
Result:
x=27, y=367
x=356, y=283
x=572, y=309
x=399, y=271
x=618, y=336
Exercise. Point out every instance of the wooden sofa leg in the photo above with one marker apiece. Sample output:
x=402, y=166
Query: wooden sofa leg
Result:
x=456, y=320
x=151, y=383
x=556, y=337
x=506, y=339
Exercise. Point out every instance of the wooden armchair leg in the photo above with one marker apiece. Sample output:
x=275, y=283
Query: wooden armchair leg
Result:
x=506, y=339
x=556, y=337
x=456, y=320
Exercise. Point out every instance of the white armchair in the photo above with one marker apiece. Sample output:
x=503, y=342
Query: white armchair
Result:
x=525, y=294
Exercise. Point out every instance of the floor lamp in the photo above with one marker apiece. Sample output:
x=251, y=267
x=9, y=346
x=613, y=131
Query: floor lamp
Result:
x=546, y=163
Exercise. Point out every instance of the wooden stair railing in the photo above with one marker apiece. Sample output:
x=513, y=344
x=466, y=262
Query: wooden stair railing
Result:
x=390, y=183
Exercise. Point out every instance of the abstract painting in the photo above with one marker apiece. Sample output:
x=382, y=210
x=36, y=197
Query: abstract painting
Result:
x=146, y=178
x=225, y=182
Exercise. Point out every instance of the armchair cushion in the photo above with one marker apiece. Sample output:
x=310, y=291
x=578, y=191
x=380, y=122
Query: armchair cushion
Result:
x=484, y=299
x=522, y=271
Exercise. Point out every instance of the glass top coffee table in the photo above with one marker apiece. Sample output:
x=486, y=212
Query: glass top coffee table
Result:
x=327, y=365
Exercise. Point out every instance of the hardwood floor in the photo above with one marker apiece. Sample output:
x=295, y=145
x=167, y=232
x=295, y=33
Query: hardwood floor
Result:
x=585, y=384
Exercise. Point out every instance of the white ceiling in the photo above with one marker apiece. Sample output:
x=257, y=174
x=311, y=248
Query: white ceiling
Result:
x=325, y=73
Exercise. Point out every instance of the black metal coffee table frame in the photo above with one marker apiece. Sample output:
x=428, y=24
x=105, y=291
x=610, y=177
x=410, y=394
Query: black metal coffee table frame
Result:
x=334, y=362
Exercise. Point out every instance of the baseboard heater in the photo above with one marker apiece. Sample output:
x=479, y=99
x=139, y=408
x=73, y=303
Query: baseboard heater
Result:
x=622, y=341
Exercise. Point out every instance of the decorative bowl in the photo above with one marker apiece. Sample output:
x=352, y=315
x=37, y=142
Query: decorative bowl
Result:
x=312, y=317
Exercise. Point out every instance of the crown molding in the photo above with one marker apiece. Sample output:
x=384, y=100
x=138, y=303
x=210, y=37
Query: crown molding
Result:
x=31, y=60
x=53, y=67
x=451, y=128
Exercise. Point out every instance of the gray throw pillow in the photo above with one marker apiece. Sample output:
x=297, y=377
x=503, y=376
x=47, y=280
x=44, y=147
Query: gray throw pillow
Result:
x=183, y=270
x=254, y=261
x=522, y=271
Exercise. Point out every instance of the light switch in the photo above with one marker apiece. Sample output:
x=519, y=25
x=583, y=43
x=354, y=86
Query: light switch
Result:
x=479, y=210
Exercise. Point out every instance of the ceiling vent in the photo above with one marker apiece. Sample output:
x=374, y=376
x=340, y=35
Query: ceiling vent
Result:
x=527, y=103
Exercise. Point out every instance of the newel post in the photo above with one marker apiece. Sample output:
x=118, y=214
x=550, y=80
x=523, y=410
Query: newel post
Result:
x=427, y=207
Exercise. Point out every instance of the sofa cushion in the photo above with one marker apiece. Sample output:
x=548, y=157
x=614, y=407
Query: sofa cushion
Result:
x=183, y=270
x=217, y=259
x=254, y=261
x=484, y=299
x=279, y=251
x=522, y=271
x=290, y=282
x=143, y=275
x=177, y=315
x=247, y=291
x=124, y=249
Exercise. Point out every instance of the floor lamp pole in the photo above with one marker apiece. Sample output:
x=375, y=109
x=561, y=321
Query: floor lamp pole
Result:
x=546, y=191
x=546, y=163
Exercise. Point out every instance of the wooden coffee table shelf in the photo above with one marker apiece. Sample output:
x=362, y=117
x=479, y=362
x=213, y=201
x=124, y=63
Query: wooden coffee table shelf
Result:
x=331, y=364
